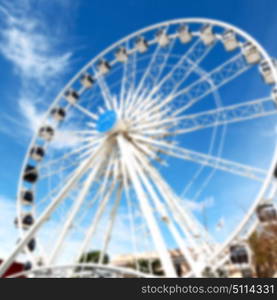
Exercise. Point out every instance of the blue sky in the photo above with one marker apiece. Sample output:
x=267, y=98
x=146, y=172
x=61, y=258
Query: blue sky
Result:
x=43, y=43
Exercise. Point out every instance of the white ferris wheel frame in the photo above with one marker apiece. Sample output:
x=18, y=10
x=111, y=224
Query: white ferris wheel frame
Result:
x=268, y=183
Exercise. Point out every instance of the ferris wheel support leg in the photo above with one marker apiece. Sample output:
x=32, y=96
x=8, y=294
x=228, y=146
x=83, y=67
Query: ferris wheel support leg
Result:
x=95, y=222
x=49, y=210
x=111, y=224
x=130, y=214
x=190, y=227
x=169, y=223
x=75, y=210
x=186, y=219
x=178, y=213
x=147, y=211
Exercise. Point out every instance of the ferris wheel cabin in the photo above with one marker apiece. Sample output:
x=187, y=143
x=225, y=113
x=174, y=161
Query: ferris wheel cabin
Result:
x=26, y=221
x=121, y=54
x=27, y=197
x=267, y=213
x=267, y=73
x=87, y=80
x=162, y=38
x=71, y=96
x=103, y=67
x=31, y=245
x=185, y=35
x=239, y=254
x=142, y=45
x=207, y=35
x=229, y=40
x=46, y=133
x=37, y=153
x=251, y=53
x=30, y=174
x=58, y=113
x=27, y=266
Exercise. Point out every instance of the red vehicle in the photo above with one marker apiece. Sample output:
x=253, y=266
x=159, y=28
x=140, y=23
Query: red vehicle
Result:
x=13, y=269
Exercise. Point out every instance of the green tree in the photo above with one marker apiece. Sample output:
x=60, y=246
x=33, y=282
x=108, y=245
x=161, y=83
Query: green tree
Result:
x=148, y=266
x=93, y=257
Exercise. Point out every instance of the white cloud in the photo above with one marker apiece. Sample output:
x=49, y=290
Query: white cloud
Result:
x=32, y=46
x=31, y=114
x=29, y=46
x=30, y=52
x=65, y=139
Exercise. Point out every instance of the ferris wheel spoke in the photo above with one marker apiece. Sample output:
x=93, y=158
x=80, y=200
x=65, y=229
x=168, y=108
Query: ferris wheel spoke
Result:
x=153, y=142
x=156, y=69
x=53, y=192
x=188, y=62
x=85, y=132
x=208, y=83
x=165, y=216
x=184, y=67
x=153, y=120
x=94, y=172
x=47, y=172
x=146, y=209
x=156, y=56
x=188, y=222
x=225, y=115
x=85, y=111
x=156, y=128
x=212, y=81
x=68, y=155
x=153, y=71
x=99, y=194
x=205, y=159
x=106, y=94
x=104, y=196
x=197, y=235
x=128, y=81
x=96, y=220
x=107, y=236
x=131, y=218
x=220, y=116
x=218, y=163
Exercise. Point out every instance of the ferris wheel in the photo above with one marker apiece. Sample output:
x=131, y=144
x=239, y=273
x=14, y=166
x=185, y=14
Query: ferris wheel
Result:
x=172, y=114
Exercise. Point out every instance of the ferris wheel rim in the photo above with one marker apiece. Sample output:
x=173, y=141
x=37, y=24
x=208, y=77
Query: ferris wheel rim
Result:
x=139, y=32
